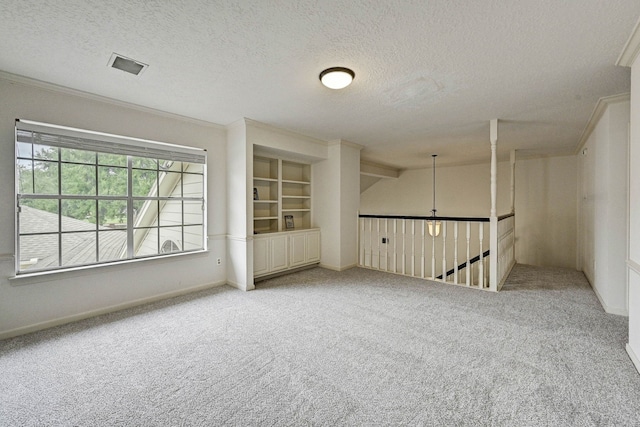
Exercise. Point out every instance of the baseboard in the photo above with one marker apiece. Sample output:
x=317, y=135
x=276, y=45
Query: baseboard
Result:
x=634, y=358
x=608, y=309
x=93, y=313
x=334, y=268
x=247, y=287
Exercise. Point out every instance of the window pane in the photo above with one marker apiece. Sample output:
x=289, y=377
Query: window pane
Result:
x=170, y=184
x=78, y=248
x=193, y=213
x=25, y=176
x=78, y=179
x=112, y=244
x=193, y=238
x=38, y=216
x=45, y=152
x=193, y=185
x=144, y=183
x=24, y=150
x=145, y=213
x=169, y=165
x=38, y=252
x=78, y=215
x=112, y=159
x=171, y=213
x=112, y=213
x=193, y=167
x=112, y=181
x=45, y=177
x=173, y=234
x=144, y=163
x=145, y=241
x=78, y=156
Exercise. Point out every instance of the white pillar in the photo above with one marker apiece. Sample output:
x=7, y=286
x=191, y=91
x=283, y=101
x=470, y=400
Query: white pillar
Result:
x=513, y=181
x=493, y=130
x=493, y=224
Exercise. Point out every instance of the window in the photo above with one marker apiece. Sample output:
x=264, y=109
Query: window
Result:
x=88, y=198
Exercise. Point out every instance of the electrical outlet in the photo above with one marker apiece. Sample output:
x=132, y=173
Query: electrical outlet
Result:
x=219, y=261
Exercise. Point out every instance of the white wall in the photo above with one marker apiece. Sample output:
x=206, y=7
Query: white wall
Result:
x=603, y=207
x=633, y=347
x=32, y=303
x=545, y=200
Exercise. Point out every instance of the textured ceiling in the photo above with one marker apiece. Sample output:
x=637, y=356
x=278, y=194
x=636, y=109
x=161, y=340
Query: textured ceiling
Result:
x=429, y=74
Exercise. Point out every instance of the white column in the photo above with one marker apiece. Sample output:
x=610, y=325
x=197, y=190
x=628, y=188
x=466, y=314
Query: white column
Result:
x=493, y=224
x=513, y=181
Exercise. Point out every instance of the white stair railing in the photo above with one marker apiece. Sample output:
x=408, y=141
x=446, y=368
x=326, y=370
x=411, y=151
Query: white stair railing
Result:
x=403, y=245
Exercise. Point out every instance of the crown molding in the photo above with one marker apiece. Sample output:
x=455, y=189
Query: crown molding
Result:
x=346, y=143
x=631, y=48
x=596, y=115
x=27, y=81
x=287, y=132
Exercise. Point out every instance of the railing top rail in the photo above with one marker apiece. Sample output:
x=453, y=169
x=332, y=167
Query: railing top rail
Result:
x=427, y=218
x=505, y=216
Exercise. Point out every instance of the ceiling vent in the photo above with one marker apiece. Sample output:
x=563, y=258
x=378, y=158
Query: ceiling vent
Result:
x=126, y=64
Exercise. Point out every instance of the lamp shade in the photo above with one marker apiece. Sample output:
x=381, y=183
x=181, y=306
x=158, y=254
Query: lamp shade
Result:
x=434, y=228
x=337, y=77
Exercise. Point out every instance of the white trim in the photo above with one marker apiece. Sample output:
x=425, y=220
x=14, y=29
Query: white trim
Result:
x=596, y=115
x=334, y=268
x=86, y=95
x=631, y=48
x=92, y=313
x=241, y=287
x=257, y=124
x=378, y=170
x=634, y=358
x=633, y=266
x=243, y=239
x=345, y=143
x=607, y=308
x=49, y=275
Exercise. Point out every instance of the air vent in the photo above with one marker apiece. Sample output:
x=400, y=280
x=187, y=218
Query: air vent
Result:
x=126, y=64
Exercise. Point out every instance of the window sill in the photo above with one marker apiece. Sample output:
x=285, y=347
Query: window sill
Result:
x=63, y=273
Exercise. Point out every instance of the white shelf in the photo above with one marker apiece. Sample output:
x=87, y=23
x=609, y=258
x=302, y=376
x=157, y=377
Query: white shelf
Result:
x=257, y=178
x=264, y=218
x=296, y=210
x=295, y=197
x=265, y=201
x=289, y=181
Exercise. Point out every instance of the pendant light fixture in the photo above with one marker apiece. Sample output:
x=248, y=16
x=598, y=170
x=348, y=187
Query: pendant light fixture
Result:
x=337, y=77
x=432, y=224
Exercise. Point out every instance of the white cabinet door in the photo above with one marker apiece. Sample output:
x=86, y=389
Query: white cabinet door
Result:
x=260, y=256
x=313, y=246
x=278, y=246
x=297, y=245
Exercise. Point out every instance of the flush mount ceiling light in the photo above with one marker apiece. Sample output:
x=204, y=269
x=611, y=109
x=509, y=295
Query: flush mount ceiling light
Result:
x=337, y=77
x=126, y=64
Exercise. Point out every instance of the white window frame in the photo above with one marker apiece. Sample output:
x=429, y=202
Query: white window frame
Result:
x=99, y=142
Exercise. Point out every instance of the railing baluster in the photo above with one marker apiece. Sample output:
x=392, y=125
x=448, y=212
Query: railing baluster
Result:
x=404, y=246
x=378, y=239
x=444, y=251
x=433, y=252
x=455, y=252
x=413, y=248
x=424, y=255
x=481, y=262
x=468, y=269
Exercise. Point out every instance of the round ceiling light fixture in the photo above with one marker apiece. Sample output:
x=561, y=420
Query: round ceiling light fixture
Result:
x=337, y=77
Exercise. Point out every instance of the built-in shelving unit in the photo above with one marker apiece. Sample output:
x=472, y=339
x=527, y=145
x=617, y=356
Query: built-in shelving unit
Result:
x=282, y=189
